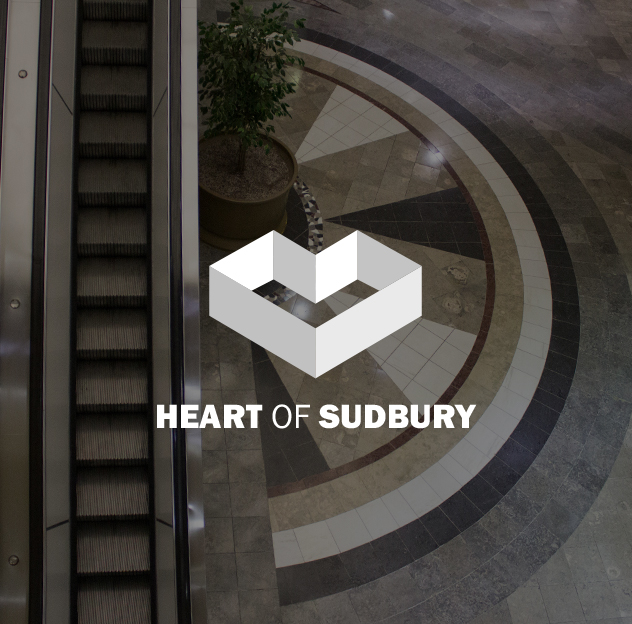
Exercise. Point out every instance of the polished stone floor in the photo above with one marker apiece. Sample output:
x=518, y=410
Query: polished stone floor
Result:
x=491, y=143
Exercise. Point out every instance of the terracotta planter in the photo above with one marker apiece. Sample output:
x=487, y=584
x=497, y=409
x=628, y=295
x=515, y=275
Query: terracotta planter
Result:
x=230, y=223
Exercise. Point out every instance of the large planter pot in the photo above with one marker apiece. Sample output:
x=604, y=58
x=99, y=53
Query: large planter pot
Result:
x=231, y=223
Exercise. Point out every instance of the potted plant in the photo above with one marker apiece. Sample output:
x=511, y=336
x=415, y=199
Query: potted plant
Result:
x=245, y=175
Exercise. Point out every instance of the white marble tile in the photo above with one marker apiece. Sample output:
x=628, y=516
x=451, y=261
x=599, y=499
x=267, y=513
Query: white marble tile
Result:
x=534, y=268
x=420, y=496
x=521, y=383
x=478, y=155
x=377, y=518
x=471, y=457
x=443, y=331
x=434, y=378
x=503, y=187
x=537, y=282
x=538, y=297
x=535, y=332
x=399, y=508
x=463, y=341
x=449, y=358
x=481, y=437
x=513, y=203
x=363, y=126
x=452, y=128
x=349, y=137
x=499, y=421
x=423, y=341
x=400, y=334
x=316, y=541
x=398, y=378
x=520, y=221
x=406, y=360
x=418, y=395
x=535, y=347
x=384, y=348
x=348, y=530
x=286, y=549
x=455, y=469
x=343, y=114
x=537, y=316
x=528, y=363
x=527, y=238
x=332, y=145
x=328, y=124
x=492, y=171
x=441, y=481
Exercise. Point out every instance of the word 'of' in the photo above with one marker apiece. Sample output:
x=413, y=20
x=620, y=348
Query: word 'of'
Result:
x=373, y=416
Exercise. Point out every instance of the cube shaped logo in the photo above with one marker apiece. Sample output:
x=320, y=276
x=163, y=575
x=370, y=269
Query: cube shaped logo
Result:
x=315, y=350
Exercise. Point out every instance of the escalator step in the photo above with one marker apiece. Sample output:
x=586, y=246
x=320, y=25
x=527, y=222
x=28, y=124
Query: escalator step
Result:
x=113, y=88
x=118, y=386
x=112, y=135
x=132, y=10
x=112, y=548
x=111, y=282
x=111, y=438
x=114, y=43
x=112, y=232
x=112, y=182
x=108, y=493
x=114, y=601
x=109, y=334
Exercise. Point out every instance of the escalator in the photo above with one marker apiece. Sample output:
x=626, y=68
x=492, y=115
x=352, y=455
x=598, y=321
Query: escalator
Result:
x=112, y=533
x=101, y=515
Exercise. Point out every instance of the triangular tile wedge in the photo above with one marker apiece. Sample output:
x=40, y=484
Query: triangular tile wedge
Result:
x=441, y=220
x=346, y=121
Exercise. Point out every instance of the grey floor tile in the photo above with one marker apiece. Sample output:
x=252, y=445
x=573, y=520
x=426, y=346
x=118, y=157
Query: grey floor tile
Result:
x=498, y=614
x=336, y=609
x=555, y=571
x=256, y=571
x=221, y=572
x=562, y=603
x=622, y=592
x=586, y=564
x=259, y=606
x=598, y=601
x=218, y=535
x=252, y=534
x=617, y=559
x=248, y=499
x=302, y=613
x=527, y=607
x=223, y=607
x=246, y=467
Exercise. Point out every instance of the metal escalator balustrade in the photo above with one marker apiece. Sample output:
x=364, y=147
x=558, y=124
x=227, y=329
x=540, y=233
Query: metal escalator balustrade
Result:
x=113, y=519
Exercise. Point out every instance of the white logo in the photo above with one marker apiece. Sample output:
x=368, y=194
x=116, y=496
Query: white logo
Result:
x=315, y=350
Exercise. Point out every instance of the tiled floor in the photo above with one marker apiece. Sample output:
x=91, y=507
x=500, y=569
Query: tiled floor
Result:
x=494, y=149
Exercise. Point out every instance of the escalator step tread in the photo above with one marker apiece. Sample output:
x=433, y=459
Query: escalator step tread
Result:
x=112, y=182
x=102, y=438
x=111, y=333
x=111, y=386
x=114, y=43
x=112, y=135
x=113, y=88
x=121, y=492
x=111, y=282
x=133, y=10
x=112, y=547
x=114, y=601
x=112, y=232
